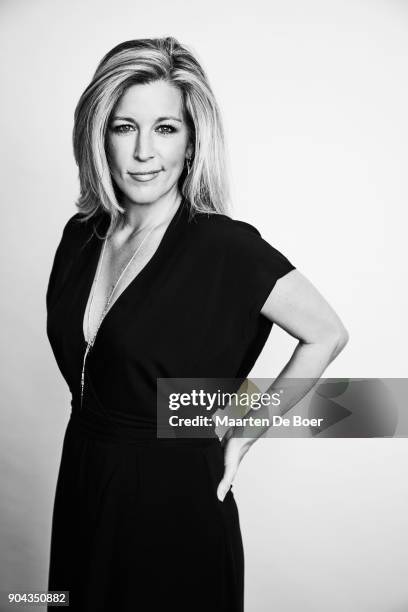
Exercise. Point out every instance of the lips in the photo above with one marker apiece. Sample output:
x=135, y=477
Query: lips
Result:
x=143, y=173
x=143, y=177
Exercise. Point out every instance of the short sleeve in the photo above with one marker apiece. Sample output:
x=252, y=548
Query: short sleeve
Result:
x=255, y=264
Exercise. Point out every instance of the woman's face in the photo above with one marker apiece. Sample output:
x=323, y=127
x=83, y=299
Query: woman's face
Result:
x=147, y=142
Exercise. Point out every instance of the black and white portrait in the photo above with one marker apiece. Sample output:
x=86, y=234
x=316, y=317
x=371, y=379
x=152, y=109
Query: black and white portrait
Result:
x=203, y=196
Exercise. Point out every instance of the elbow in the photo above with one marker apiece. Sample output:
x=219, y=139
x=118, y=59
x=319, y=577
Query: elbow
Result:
x=338, y=340
x=331, y=340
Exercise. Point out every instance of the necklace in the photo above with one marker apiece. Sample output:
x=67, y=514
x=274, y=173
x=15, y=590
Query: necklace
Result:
x=91, y=340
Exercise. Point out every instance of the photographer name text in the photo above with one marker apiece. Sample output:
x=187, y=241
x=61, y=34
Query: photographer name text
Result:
x=220, y=421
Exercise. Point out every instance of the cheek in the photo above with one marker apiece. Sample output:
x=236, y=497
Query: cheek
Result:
x=176, y=153
x=118, y=152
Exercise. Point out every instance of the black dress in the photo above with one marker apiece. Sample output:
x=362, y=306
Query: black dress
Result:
x=137, y=524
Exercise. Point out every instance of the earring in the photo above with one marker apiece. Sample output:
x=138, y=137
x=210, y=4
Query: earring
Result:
x=188, y=165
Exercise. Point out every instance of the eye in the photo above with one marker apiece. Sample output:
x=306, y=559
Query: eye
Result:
x=167, y=129
x=124, y=128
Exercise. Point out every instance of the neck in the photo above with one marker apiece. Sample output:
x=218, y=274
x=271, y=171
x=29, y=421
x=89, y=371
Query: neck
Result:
x=140, y=216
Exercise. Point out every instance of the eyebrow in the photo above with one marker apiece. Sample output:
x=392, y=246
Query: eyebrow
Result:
x=157, y=120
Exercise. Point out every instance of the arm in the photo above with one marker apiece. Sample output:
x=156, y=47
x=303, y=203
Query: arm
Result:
x=297, y=307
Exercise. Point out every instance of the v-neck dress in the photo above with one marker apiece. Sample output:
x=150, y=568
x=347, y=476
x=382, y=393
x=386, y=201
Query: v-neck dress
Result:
x=137, y=524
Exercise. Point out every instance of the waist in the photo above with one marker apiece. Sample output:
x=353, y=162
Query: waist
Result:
x=131, y=429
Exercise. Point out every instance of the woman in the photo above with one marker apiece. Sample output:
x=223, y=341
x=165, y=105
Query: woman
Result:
x=152, y=279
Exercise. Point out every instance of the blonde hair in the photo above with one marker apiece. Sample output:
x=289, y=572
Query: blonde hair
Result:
x=144, y=61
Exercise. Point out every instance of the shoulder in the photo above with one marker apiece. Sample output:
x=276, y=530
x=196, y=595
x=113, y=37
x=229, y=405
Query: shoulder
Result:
x=77, y=231
x=219, y=229
x=219, y=221
x=229, y=238
x=238, y=242
x=75, y=225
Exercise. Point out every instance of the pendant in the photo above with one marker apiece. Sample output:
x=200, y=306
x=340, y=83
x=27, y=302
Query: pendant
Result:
x=88, y=346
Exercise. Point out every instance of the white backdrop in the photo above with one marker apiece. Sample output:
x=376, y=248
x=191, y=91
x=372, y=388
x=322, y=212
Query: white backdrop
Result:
x=314, y=97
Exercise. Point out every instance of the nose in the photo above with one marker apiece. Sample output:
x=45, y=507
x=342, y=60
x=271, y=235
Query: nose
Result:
x=143, y=146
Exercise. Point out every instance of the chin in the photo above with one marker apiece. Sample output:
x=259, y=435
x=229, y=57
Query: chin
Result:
x=143, y=195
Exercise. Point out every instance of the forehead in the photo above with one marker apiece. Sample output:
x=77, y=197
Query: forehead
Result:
x=147, y=101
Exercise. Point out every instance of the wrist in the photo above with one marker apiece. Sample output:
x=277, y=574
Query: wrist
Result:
x=238, y=441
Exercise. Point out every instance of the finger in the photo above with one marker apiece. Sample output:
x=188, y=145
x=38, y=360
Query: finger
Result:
x=223, y=489
x=226, y=482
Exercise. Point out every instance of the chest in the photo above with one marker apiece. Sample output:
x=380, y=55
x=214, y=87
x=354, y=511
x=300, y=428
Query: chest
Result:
x=117, y=269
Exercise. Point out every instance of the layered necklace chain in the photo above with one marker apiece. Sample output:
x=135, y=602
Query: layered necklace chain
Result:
x=91, y=340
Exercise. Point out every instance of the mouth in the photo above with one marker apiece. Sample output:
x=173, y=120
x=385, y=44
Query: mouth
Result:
x=144, y=177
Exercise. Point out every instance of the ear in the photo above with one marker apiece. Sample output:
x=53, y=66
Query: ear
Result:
x=189, y=150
